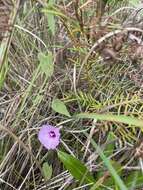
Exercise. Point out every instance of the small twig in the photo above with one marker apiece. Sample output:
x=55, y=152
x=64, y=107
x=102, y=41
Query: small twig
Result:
x=32, y=34
x=89, y=140
x=133, y=15
x=135, y=38
x=85, y=4
x=130, y=168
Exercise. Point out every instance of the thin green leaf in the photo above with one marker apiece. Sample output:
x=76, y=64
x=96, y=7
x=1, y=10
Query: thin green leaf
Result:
x=51, y=23
x=47, y=171
x=109, y=181
x=109, y=117
x=55, y=13
x=108, y=164
x=59, y=106
x=37, y=99
x=110, y=145
x=51, y=18
x=78, y=170
x=46, y=63
x=134, y=180
x=3, y=72
x=118, y=168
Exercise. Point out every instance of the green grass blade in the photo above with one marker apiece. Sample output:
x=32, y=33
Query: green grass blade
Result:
x=110, y=117
x=108, y=164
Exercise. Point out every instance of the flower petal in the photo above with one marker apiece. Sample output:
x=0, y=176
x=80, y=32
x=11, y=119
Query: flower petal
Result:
x=46, y=139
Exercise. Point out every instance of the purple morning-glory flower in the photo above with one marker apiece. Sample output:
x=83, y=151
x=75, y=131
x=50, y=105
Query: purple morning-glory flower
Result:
x=49, y=136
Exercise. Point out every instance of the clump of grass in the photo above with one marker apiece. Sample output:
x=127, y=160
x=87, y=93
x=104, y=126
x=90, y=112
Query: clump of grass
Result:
x=80, y=54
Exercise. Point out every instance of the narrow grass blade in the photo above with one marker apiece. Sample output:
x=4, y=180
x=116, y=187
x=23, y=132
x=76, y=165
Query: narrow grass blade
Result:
x=110, y=117
x=108, y=164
